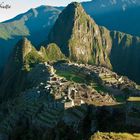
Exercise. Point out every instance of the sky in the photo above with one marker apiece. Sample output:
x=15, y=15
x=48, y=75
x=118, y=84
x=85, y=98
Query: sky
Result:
x=21, y=6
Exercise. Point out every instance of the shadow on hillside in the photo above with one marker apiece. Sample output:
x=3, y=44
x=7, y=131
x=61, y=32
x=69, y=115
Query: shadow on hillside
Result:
x=103, y=119
x=80, y=121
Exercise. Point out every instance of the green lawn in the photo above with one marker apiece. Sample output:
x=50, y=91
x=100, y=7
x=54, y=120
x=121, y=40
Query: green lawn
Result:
x=115, y=136
x=98, y=87
x=70, y=76
x=134, y=99
x=78, y=78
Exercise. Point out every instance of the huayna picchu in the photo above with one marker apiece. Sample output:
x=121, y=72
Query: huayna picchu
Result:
x=83, y=41
x=69, y=88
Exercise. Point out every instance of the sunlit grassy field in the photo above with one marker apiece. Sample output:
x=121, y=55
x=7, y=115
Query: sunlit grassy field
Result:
x=115, y=136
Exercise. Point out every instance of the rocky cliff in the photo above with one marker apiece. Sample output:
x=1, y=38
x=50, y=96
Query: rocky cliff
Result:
x=83, y=41
x=22, y=60
x=52, y=98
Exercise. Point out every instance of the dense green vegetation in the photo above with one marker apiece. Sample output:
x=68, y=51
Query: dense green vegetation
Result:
x=53, y=53
x=71, y=76
x=32, y=59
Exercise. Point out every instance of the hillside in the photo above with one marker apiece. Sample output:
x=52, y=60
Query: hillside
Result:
x=83, y=41
x=40, y=20
x=22, y=59
x=35, y=24
x=24, y=24
x=67, y=96
x=67, y=89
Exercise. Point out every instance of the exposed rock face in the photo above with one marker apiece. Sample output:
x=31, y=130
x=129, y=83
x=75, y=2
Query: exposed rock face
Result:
x=23, y=58
x=83, y=41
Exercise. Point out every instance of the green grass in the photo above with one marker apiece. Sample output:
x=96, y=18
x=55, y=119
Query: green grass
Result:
x=134, y=99
x=98, y=87
x=32, y=59
x=78, y=78
x=115, y=136
x=70, y=76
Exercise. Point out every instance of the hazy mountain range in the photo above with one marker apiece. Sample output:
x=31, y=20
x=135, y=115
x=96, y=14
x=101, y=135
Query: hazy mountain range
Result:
x=35, y=24
x=80, y=40
x=68, y=87
x=121, y=15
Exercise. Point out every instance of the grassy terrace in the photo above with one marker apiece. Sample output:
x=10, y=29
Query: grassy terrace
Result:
x=115, y=136
x=134, y=99
x=71, y=76
x=98, y=87
x=79, y=78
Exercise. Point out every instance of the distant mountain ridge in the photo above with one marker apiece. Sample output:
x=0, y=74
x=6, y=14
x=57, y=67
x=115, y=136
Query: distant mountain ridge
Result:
x=67, y=86
x=81, y=41
x=101, y=6
x=43, y=16
x=37, y=22
x=120, y=15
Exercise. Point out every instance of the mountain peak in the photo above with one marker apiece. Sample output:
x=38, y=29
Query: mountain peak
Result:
x=74, y=4
x=72, y=15
x=24, y=40
x=23, y=47
x=75, y=7
x=81, y=38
